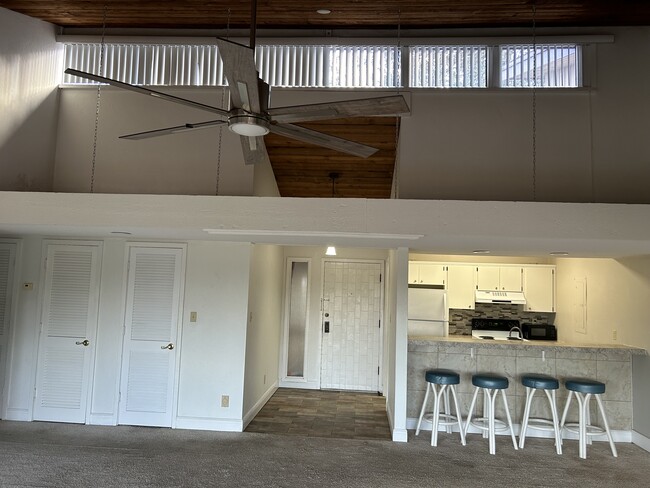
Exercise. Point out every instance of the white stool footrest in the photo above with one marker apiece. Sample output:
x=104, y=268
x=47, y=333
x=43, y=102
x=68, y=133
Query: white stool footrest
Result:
x=591, y=429
x=541, y=424
x=483, y=424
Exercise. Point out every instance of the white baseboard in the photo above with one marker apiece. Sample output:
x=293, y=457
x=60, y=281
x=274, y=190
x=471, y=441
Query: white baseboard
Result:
x=617, y=435
x=18, y=414
x=255, y=409
x=102, y=419
x=197, y=423
x=640, y=440
x=398, y=435
x=301, y=384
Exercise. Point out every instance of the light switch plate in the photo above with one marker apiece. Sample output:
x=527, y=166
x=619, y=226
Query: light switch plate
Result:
x=193, y=316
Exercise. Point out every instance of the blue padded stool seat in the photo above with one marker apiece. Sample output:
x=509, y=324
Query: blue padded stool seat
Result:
x=442, y=377
x=490, y=385
x=540, y=382
x=585, y=386
x=584, y=390
x=490, y=381
x=547, y=384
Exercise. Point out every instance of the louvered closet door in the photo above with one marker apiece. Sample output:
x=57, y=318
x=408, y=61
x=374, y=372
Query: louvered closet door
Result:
x=149, y=355
x=67, y=342
x=7, y=260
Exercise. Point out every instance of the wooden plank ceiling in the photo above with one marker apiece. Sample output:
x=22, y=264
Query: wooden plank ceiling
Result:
x=344, y=13
x=304, y=170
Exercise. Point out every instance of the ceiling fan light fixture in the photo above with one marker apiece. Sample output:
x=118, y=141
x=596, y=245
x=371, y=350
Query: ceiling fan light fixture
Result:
x=248, y=125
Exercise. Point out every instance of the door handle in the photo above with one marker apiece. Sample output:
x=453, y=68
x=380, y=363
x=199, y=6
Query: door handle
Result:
x=84, y=343
x=169, y=346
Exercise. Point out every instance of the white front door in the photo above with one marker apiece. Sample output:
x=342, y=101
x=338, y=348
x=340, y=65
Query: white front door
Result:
x=7, y=265
x=352, y=305
x=151, y=325
x=68, y=325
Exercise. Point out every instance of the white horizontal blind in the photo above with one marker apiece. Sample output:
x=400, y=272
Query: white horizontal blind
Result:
x=557, y=66
x=448, y=66
x=200, y=65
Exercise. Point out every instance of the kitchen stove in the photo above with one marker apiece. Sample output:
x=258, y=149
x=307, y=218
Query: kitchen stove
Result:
x=496, y=329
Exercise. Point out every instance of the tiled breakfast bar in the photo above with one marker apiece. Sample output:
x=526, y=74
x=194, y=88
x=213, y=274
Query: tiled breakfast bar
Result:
x=610, y=364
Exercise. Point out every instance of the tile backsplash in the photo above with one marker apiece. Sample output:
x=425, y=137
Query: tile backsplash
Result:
x=460, y=320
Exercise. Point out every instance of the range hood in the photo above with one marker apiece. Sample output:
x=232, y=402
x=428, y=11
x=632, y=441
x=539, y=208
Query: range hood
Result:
x=505, y=297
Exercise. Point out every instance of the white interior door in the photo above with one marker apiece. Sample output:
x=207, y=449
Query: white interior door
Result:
x=352, y=304
x=151, y=326
x=7, y=265
x=68, y=325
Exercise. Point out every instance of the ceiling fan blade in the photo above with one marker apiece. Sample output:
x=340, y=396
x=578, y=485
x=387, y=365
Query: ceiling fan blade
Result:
x=322, y=139
x=172, y=130
x=365, y=107
x=146, y=91
x=254, y=150
x=241, y=73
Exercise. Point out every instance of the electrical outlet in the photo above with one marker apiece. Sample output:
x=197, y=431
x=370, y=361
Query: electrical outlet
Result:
x=193, y=316
x=614, y=335
x=225, y=401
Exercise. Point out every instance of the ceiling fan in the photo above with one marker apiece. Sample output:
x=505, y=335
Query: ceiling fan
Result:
x=249, y=114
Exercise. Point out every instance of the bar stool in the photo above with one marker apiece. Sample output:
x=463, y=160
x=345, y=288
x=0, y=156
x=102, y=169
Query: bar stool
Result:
x=584, y=390
x=548, y=384
x=491, y=385
x=441, y=382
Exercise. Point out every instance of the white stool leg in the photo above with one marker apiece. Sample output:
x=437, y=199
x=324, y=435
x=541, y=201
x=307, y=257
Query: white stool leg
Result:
x=512, y=431
x=486, y=410
x=588, y=418
x=566, y=409
x=447, y=408
x=583, y=404
x=424, y=406
x=606, y=425
x=492, y=396
x=458, y=415
x=436, y=412
x=556, y=427
x=530, y=392
x=471, y=410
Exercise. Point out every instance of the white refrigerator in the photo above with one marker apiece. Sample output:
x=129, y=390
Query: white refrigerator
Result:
x=427, y=311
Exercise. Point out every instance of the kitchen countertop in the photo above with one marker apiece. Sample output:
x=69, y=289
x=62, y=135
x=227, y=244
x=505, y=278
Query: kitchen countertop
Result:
x=548, y=345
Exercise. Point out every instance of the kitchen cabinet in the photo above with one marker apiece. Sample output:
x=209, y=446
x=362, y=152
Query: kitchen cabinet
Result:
x=427, y=273
x=539, y=288
x=502, y=278
x=460, y=286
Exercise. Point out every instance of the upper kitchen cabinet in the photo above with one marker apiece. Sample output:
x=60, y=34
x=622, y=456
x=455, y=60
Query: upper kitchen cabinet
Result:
x=422, y=273
x=460, y=286
x=502, y=278
x=539, y=288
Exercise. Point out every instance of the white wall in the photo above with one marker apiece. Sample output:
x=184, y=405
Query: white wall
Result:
x=30, y=67
x=264, y=327
x=184, y=163
x=618, y=292
x=211, y=349
x=313, y=335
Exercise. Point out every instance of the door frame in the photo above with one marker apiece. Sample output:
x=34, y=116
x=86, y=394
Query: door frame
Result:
x=179, y=330
x=13, y=314
x=380, y=357
x=41, y=298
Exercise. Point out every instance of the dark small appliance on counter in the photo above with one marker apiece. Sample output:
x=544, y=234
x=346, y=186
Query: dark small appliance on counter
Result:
x=539, y=332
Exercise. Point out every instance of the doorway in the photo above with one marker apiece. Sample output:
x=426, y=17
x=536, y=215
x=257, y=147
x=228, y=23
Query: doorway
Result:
x=69, y=323
x=150, y=349
x=351, y=325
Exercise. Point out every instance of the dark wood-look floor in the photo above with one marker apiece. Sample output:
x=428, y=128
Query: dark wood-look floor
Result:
x=317, y=413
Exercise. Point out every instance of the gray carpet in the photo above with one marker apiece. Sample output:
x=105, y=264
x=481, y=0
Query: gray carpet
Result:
x=62, y=455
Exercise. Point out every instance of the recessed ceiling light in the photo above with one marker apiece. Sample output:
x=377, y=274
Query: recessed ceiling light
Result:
x=481, y=251
x=559, y=253
x=323, y=11
x=120, y=233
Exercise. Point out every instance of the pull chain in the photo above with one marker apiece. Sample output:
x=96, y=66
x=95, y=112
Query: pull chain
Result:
x=98, y=102
x=223, y=101
x=534, y=104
